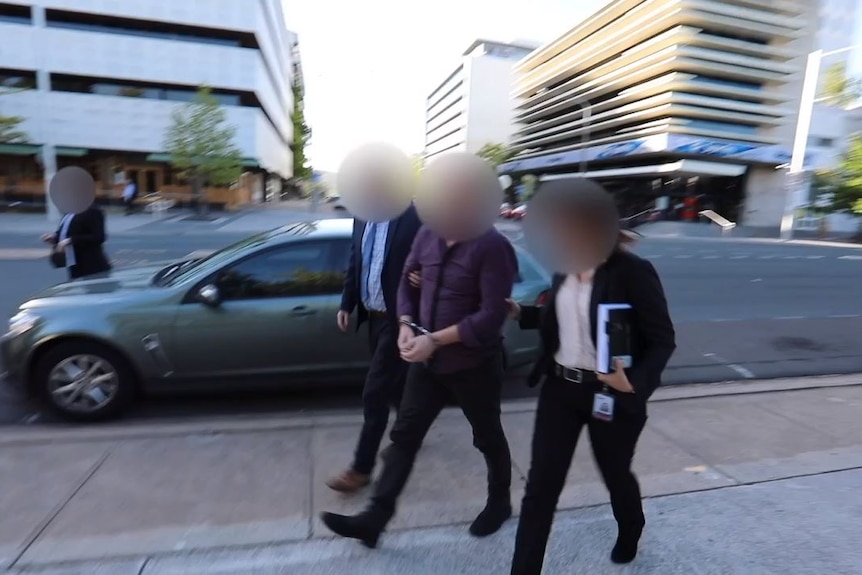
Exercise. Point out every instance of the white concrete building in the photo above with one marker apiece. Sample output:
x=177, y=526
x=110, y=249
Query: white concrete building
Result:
x=694, y=102
x=473, y=106
x=106, y=76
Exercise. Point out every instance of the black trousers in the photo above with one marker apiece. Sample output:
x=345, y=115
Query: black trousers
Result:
x=564, y=409
x=384, y=385
x=477, y=391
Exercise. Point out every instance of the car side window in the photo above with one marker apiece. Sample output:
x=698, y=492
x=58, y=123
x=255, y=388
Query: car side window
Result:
x=340, y=256
x=299, y=269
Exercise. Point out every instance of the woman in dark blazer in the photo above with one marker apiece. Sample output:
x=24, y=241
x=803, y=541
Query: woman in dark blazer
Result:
x=584, y=228
x=81, y=238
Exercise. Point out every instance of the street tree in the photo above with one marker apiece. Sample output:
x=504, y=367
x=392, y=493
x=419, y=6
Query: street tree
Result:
x=495, y=153
x=838, y=88
x=201, y=146
x=846, y=181
x=418, y=162
x=9, y=130
x=301, y=136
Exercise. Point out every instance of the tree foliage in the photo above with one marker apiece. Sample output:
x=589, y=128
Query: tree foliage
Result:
x=201, y=143
x=845, y=182
x=838, y=88
x=495, y=153
x=9, y=130
x=301, y=136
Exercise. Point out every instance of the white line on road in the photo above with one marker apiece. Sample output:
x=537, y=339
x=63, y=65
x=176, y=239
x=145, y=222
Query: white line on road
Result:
x=850, y=257
x=844, y=316
x=744, y=372
x=814, y=257
x=790, y=317
x=739, y=257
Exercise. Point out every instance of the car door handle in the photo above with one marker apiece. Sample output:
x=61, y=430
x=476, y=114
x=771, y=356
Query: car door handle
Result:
x=302, y=311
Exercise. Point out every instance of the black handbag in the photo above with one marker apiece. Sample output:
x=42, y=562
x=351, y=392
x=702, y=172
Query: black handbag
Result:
x=57, y=258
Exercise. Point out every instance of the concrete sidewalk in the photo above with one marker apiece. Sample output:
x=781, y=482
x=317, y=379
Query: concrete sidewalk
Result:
x=250, y=220
x=244, y=496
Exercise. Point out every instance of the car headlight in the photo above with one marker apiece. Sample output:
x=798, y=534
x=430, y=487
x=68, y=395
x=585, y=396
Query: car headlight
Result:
x=21, y=322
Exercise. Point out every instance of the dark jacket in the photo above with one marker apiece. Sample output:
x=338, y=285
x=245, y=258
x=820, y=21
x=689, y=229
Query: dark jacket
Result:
x=623, y=278
x=399, y=240
x=87, y=235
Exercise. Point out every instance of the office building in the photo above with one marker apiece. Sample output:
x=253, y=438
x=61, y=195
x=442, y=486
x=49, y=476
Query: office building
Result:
x=104, y=78
x=692, y=102
x=473, y=105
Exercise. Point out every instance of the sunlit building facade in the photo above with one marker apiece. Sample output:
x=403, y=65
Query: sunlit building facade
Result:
x=687, y=99
x=103, y=78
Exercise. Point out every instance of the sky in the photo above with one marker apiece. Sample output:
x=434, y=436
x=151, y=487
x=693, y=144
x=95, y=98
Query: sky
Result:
x=369, y=65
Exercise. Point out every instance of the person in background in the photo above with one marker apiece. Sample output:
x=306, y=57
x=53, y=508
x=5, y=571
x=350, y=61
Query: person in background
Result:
x=584, y=226
x=378, y=253
x=451, y=334
x=129, y=195
x=81, y=238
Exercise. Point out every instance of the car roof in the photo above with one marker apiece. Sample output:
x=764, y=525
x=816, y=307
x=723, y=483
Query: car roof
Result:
x=312, y=229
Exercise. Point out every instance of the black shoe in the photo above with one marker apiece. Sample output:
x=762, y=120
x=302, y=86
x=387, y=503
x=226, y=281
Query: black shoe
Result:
x=491, y=519
x=626, y=548
x=360, y=527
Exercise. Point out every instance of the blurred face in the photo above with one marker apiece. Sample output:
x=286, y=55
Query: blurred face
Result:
x=460, y=197
x=582, y=242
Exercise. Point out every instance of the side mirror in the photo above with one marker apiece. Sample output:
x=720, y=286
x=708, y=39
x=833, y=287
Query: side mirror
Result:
x=209, y=295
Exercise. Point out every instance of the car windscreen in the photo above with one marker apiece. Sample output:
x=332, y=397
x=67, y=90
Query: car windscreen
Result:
x=215, y=259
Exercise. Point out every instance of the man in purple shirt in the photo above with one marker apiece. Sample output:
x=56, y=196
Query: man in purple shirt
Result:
x=451, y=334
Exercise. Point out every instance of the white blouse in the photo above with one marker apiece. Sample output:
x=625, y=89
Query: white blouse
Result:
x=573, y=317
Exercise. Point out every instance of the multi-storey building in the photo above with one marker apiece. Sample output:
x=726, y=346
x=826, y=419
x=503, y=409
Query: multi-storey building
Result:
x=473, y=105
x=105, y=77
x=691, y=101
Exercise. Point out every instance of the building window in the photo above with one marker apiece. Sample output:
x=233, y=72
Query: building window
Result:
x=17, y=79
x=148, y=29
x=104, y=87
x=728, y=83
x=730, y=36
x=15, y=14
x=741, y=129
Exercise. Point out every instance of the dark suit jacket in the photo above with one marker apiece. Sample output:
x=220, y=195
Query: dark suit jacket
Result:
x=623, y=278
x=399, y=240
x=87, y=235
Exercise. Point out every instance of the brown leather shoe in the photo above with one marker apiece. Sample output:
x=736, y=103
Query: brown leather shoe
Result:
x=349, y=482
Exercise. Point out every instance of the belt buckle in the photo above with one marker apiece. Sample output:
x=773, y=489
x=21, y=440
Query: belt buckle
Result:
x=578, y=375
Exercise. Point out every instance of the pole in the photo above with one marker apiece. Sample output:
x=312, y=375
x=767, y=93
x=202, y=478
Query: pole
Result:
x=794, y=180
x=587, y=115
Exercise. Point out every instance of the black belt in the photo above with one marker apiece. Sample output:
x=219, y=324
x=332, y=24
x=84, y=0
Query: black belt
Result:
x=574, y=374
x=378, y=314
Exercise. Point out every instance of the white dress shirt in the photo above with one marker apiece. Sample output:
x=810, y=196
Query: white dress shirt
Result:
x=372, y=268
x=64, y=235
x=573, y=317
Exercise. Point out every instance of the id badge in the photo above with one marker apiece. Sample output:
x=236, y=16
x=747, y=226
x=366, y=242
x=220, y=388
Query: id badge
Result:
x=603, y=407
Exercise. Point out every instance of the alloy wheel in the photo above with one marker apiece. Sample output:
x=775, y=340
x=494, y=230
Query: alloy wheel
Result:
x=83, y=383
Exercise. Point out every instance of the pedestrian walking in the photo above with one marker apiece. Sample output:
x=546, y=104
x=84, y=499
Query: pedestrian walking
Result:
x=379, y=252
x=451, y=334
x=78, y=243
x=130, y=192
x=595, y=269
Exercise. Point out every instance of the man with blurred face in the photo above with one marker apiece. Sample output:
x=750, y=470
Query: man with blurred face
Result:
x=451, y=334
x=378, y=252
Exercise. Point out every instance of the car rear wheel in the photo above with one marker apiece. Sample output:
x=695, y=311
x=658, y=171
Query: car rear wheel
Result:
x=84, y=381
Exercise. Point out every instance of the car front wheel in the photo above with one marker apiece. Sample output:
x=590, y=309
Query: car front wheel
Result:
x=84, y=381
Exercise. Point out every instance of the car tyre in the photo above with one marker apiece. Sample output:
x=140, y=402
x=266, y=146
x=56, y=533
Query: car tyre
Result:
x=110, y=365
